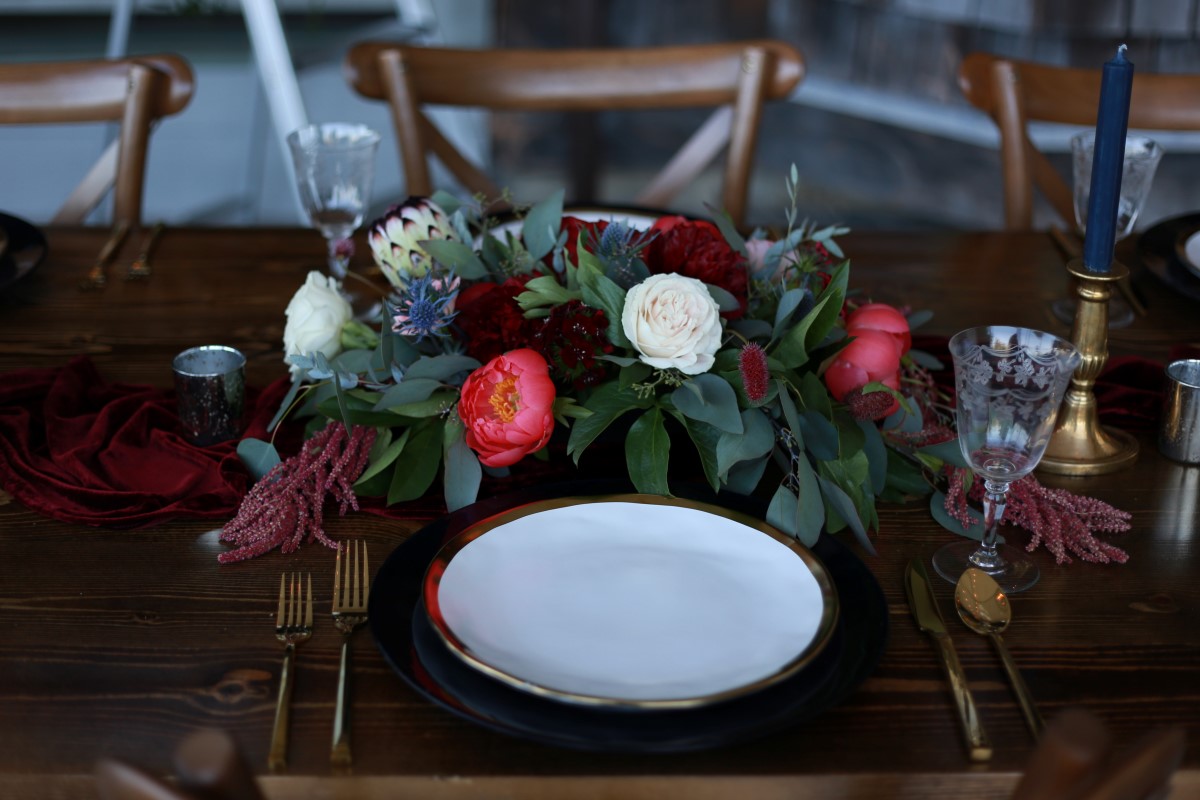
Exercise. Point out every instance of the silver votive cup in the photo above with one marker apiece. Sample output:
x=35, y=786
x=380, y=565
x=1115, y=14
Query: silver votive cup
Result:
x=210, y=384
x=1179, y=434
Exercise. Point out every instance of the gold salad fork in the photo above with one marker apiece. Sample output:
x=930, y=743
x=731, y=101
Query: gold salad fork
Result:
x=293, y=625
x=351, y=577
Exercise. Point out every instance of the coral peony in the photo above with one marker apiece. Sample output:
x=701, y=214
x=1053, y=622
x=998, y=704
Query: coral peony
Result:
x=872, y=356
x=507, y=407
x=881, y=317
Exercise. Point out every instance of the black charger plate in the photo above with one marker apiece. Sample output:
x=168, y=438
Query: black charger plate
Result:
x=1159, y=249
x=412, y=648
x=26, y=249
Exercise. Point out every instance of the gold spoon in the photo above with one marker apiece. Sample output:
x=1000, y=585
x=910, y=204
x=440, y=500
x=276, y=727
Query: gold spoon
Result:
x=984, y=609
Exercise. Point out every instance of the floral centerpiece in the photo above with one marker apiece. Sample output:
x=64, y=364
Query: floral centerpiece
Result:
x=749, y=359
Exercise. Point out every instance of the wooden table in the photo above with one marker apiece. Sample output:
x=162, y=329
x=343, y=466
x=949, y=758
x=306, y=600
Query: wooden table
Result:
x=119, y=643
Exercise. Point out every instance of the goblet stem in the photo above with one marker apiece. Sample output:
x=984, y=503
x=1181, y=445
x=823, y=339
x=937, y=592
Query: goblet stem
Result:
x=995, y=500
x=338, y=260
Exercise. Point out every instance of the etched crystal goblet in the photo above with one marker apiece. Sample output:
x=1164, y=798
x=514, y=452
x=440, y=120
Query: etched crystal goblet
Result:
x=1009, y=384
x=1142, y=155
x=334, y=164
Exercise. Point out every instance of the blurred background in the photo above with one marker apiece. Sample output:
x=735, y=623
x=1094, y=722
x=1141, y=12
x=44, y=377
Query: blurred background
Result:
x=878, y=130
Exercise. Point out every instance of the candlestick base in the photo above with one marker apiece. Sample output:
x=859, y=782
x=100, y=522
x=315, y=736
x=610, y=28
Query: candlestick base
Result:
x=1080, y=445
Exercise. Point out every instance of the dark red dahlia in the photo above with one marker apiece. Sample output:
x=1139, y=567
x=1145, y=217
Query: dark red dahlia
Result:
x=697, y=249
x=571, y=340
x=490, y=319
x=574, y=227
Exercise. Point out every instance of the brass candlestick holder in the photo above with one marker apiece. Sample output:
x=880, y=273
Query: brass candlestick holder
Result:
x=1079, y=445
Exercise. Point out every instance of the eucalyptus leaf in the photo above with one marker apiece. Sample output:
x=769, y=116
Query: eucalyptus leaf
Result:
x=441, y=367
x=937, y=507
x=926, y=360
x=446, y=201
x=708, y=398
x=353, y=361
x=725, y=225
x=918, y=318
x=844, y=506
x=410, y=390
x=725, y=301
x=810, y=508
x=705, y=438
x=744, y=477
x=876, y=452
x=788, y=303
x=456, y=256
x=751, y=328
x=258, y=456
x=949, y=451
x=756, y=440
x=286, y=404
x=819, y=434
x=782, y=512
x=542, y=224
x=463, y=473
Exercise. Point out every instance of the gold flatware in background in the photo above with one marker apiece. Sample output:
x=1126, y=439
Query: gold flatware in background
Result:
x=1071, y=248
x=293, y=625
x=924, y=608
x=140, y=266
x=351, y=577
x=96, y=278
x=984, y=608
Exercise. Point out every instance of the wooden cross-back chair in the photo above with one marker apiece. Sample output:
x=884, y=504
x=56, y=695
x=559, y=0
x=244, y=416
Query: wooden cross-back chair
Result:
x=135, y=92
x=1013, y=93
x=735, y=77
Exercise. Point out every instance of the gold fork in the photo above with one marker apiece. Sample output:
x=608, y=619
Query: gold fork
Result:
x=293, y=625
x=349, y=612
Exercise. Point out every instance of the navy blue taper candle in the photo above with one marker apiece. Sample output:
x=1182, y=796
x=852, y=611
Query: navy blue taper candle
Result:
x=1108, y=156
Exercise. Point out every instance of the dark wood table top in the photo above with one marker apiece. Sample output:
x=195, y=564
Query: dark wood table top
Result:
x=120, y=643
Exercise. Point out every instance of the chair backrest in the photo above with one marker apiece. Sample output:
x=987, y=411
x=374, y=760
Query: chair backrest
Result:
x=1013, y=93
x=1077, y=760
x=134, y=92
x=734, y=77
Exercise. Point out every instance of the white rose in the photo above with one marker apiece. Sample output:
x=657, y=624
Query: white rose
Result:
x=673, y=321
x=315, y=317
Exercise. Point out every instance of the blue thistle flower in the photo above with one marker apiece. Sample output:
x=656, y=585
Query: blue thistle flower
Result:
x=619, y=248
x=426, y=306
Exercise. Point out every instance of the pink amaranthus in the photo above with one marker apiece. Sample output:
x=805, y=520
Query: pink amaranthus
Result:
x=1057, y=518
x=286, y=505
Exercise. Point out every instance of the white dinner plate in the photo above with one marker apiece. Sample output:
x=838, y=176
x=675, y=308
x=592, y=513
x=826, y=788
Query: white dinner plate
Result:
x=1191, y=253
x=637, y=220
x=630, y=600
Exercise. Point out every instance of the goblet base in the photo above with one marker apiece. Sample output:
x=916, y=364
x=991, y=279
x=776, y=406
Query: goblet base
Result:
x=1010, y=567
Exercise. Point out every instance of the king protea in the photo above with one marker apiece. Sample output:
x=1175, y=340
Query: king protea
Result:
x=396, y=237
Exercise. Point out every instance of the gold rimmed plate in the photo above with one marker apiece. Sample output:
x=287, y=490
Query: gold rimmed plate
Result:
x=630, y=601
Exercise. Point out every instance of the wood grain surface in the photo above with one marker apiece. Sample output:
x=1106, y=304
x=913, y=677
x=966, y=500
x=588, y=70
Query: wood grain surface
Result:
x=120, y=643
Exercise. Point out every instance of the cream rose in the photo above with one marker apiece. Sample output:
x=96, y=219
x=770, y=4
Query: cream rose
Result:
x=315, y=317
x=673, y=321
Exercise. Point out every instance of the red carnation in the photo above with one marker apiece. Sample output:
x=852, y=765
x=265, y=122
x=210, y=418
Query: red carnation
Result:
x=697, y=249
x=571, y=339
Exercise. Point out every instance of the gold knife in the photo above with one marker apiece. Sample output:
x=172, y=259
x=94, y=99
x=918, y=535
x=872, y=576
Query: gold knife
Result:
x=929, y=619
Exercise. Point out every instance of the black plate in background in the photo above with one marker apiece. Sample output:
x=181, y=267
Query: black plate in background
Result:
x=411, y=647
x=1158, y=249
x=26, y=249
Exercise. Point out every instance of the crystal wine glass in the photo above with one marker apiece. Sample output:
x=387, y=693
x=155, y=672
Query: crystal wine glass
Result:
x=334, y=165
x=1009, y=384
x=1142, y=155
